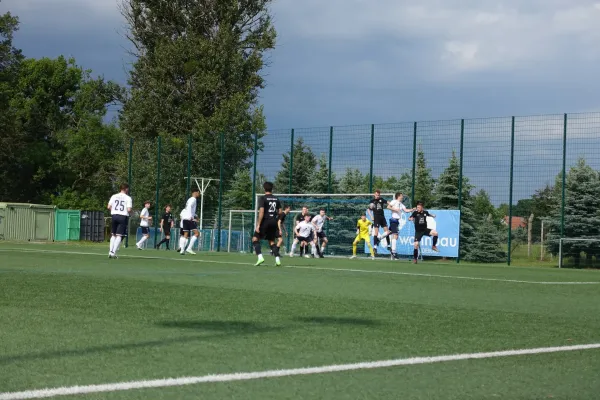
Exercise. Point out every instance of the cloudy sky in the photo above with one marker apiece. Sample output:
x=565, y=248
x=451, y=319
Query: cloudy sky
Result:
x=345, y=62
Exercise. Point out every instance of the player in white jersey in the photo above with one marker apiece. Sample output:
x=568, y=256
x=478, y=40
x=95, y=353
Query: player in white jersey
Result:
x=318, y=221
x=188, y=224
x=145, y=219
x=120, y=206
x=397, y=209
x=304, y=230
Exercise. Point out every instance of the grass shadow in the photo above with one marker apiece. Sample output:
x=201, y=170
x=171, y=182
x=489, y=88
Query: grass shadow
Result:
x=338, y=321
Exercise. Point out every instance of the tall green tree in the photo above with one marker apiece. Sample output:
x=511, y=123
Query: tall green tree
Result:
x=199, y=71
x=424, y=182
x=353, y=181
x=582, y=216
x=304, y=168
x=447, y=196
x=482, y=205
x=489, y=239
x=320, y=181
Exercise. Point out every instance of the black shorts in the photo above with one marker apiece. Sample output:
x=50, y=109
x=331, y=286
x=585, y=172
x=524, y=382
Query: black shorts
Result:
x=119, y=225
x=394, y=225
x=303, y=239
x=419, y=234
x=188, y=225
x=145, y=230
x=379, y=221
x=321, y=235
x=268, y=230
x=167, y=232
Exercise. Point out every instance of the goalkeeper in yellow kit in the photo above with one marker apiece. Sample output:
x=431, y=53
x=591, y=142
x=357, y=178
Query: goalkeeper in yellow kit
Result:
x=362, y=233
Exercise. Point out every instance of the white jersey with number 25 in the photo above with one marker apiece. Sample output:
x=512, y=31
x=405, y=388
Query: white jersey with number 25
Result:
x=120, y=203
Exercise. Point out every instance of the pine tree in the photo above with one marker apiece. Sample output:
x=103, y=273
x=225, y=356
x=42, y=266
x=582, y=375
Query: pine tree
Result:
x=353, y=181
x=582, y=217
x=488, y=248
x=482, y=206
x=305, y=163
x=424, y=182
x=446, y=194
x=239, y=195
x=319, y=183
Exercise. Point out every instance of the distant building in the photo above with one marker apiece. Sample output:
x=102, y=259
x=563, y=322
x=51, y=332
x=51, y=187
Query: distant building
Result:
x=517, y=222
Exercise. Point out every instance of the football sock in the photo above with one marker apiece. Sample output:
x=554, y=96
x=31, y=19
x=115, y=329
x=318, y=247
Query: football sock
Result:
x=435, y=240
x=182, y=243
x=112, y=244
x=293, y=247
x=192, y=242
x=257, y=248
x=415, y=253
x=275, y=250
x=142, y=240
x=371, y=249
x=354, y=248
x=117, y=243
x=393, y=246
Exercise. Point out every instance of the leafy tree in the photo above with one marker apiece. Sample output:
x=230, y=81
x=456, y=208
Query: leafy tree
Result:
x=198, y=71
x=424, y=182
x=353, y=181
x=239, y=195
x=304, y=166
x=482, y=206
x=582, y=217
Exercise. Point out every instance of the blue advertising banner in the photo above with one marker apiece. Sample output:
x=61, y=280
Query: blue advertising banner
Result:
x=446, y=223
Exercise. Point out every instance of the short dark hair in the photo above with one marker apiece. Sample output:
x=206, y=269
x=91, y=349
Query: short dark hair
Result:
x=195, y=190
x=419, y=203
x=378, y=191
x=322, y=209
x=124, y=186
x=287, y=207
x=397, y=194
x=147, y=202
x=268, y=186
x=168, y=205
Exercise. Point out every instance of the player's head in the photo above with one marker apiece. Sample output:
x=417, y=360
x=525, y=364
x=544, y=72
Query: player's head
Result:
x=322, y=212
x=399, y=196
x=307, y=217
x=268, y=187
x=168, y=208
x=287, y=209
x=124, y=188
x=419, y=206
x=304, y=210
x=377, y=193
x=147, y=204
x=363, y=217
x=196, y=192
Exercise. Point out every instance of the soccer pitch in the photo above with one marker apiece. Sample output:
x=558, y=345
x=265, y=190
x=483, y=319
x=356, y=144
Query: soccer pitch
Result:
x=157, y=325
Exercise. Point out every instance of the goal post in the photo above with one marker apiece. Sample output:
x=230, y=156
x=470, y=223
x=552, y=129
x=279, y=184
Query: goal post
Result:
x=579, y=252
x=345, y=209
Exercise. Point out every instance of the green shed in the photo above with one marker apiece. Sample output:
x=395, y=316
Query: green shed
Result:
x=67, y=225
x=26, y=222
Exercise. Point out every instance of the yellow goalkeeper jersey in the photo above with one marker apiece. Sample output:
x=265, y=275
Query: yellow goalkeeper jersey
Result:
x=363, y=227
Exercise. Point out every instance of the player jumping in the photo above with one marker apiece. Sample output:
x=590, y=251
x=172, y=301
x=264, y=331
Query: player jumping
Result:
x=378, y=217
x=269, y=208
x=419, y=216
x=120, y=206
x=397, y=208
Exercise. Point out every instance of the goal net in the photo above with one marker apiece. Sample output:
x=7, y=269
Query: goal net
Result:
x=579, y=253
x=345, y=209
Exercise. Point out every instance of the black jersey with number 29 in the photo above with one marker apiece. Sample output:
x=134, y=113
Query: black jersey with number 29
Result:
x=271, y=205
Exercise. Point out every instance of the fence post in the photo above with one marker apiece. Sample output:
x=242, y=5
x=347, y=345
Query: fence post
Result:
x=129, y=183
x=510, y=192
x=291, y=162
x=414, y=165
x=156, y=206
x=460, y=179
x=329, y=183
x=221, y=173
x=371, y=163
x=254, y=171
x=564, y=179
x=189, y=168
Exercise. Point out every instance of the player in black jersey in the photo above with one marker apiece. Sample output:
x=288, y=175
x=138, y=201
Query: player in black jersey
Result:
x=281, y=227
x=420, y=219
x=269, y=208
x=376, y=212
x=166, y=224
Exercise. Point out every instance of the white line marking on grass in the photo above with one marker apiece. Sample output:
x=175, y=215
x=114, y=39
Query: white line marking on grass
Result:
x=364, y=271
x=242, y=376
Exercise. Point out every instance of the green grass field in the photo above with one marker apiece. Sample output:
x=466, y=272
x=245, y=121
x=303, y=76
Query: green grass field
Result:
x=70, y=316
